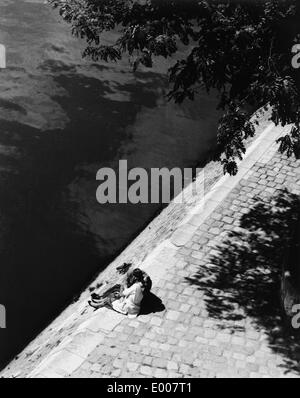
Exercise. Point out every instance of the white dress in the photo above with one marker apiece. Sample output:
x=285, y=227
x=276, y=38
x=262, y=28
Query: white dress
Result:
x=130, y=304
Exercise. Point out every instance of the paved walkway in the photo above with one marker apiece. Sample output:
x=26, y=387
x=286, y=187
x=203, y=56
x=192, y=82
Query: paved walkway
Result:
x=218, y=280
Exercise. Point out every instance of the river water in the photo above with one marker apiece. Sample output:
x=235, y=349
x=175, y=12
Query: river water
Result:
x=61, y=119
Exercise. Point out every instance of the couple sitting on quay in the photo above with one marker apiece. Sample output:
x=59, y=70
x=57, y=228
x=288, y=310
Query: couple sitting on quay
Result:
x=128, y=299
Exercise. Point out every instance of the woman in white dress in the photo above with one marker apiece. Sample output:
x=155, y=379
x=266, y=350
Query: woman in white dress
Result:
x=131, y=298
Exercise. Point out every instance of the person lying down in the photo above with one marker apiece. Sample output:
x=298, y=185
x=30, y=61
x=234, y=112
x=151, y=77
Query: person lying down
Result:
x=130, y=298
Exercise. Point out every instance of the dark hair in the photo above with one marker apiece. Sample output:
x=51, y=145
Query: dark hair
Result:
x=135, y=276
x=138, y=275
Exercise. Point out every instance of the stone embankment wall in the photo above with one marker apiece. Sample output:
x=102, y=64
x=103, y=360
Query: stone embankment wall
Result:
x=142, y=247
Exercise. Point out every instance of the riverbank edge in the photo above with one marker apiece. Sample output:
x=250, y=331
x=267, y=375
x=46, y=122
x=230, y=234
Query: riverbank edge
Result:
x=158, y=230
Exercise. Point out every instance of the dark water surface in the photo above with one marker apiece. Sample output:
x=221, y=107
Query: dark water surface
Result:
x=61, y=119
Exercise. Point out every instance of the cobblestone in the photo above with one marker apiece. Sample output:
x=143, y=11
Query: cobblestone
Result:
x=186, y=340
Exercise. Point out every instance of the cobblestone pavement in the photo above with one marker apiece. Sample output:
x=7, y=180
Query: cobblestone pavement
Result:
x=218, y=281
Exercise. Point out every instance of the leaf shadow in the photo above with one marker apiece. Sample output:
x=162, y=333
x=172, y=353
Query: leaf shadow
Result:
x=242, y=279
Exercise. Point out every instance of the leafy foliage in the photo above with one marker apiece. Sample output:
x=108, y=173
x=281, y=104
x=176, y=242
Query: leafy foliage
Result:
x=240, y=48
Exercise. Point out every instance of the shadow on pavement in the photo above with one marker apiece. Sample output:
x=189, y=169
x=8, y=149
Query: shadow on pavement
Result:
x=242, y=280
x=151, y=304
